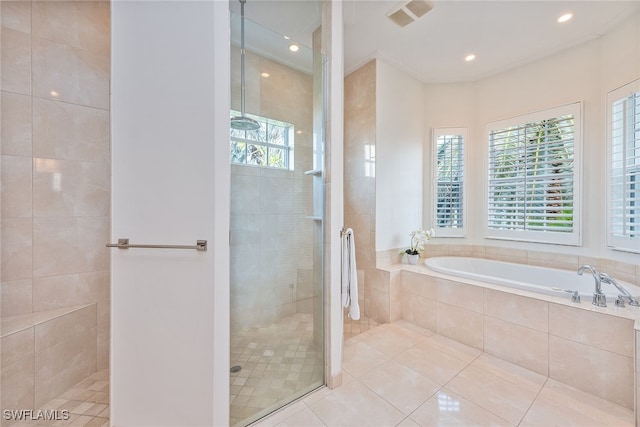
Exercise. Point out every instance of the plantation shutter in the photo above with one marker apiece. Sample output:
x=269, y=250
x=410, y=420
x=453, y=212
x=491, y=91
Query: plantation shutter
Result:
x=532, y=179
x=449, y=180
x=624, y=177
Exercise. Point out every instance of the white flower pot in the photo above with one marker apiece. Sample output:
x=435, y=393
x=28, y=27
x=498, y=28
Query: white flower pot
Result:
x=413, y=259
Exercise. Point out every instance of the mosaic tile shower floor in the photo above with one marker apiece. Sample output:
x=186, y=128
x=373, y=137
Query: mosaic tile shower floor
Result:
x=277, y=361
x=87, y=404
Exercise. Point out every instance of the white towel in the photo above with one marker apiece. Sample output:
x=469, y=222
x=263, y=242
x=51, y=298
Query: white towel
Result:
x=350, y=275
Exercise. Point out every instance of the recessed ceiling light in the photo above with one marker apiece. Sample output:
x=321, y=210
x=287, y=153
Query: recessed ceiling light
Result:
x=294, y=47
x=470, y=57
x=287, y=37
x=565, y=17
x=54, y=93
x=265, y=75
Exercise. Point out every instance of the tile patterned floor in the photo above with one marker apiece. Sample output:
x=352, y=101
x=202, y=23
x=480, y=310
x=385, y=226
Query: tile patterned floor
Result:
x=278, y=361
x=401, y=375
x=86, y=402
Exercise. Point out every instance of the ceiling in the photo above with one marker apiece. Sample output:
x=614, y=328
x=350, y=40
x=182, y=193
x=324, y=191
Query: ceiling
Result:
x=502, y=34
x=294, y=18
x=267, y=22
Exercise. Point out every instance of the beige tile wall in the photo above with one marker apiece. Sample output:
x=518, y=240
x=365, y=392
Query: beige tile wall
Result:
x=47, y=355
x=359, y=180
x=383, y=295
x=55, y=158
x=18, y=371
x=65, y=350
x=271, y=238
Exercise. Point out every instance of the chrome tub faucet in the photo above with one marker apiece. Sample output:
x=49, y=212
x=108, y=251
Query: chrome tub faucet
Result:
x=599, y=298
x=604, y=277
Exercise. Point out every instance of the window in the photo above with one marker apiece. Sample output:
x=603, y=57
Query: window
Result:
x=270, y=146
x=624, y=168
x=534, y=177
x=448, y=204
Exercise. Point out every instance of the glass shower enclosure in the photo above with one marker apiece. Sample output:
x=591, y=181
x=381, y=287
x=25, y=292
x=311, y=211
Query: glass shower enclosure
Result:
x=277, y=204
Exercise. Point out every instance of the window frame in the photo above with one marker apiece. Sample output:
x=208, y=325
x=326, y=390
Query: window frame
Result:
x=573, y=238
x=616, y=242
x=287, y=147
x=448, y=231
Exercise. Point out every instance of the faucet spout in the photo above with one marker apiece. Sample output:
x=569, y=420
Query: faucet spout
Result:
x=596, y=276
x=599, y=298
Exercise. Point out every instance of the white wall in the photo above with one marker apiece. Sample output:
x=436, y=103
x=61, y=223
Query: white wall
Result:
x=170, y=85
x=583, y=73
x=398, y=157
x=332, y=39
x=171, y=179
x=447, y=106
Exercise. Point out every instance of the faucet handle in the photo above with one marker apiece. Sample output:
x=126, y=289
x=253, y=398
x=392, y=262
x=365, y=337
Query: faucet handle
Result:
x=620, y=301
x=599, y=300
x=575, y=297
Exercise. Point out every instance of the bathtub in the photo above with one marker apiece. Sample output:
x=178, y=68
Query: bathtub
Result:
x=522, y=314
x=548, y=281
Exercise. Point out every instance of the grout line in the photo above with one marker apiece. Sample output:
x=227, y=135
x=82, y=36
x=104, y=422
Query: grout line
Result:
x=314, y=412
x=533, y=401
x=62, y=101
x=420, y=405
x=470, y=401
x=548, y=341
x=440, y=387
x=32, y=188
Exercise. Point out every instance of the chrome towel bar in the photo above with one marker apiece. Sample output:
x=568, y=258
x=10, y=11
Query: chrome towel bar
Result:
x=201, y=245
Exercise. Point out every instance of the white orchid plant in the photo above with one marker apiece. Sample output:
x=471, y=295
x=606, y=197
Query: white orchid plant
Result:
x=418, y=238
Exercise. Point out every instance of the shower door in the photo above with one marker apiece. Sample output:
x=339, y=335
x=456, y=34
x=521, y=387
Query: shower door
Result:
x=277, y=201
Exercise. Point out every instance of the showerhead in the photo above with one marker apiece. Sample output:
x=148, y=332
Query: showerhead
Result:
x=244, y=123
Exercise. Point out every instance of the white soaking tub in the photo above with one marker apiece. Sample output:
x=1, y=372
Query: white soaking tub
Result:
x=548, y=281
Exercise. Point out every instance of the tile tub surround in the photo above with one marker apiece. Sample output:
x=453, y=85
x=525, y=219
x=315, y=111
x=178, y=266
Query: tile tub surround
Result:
x=46, y=353
x=586, y=347
x=404, y=375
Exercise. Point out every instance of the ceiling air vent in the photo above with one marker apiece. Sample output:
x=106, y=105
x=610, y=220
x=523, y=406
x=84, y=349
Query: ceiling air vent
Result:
x=419, y=7
x=406, y=13
x=401, y=18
